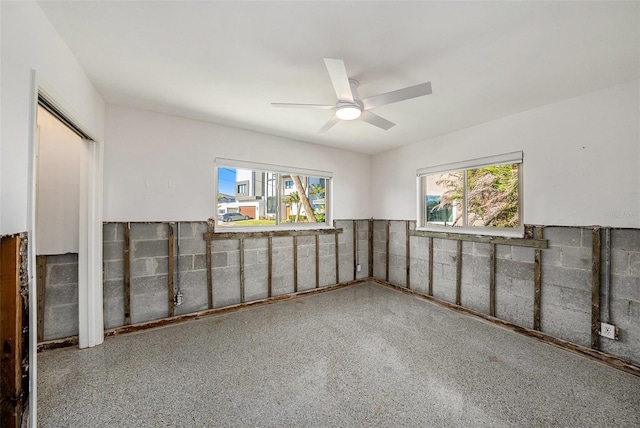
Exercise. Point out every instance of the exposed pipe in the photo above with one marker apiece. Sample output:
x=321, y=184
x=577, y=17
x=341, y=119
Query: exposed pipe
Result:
x=607, y=275
x=177, y=282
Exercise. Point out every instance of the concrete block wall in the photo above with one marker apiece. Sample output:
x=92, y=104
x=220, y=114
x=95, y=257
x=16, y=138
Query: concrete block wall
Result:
x=566, y=280
x=61, y=296
x=566, y=275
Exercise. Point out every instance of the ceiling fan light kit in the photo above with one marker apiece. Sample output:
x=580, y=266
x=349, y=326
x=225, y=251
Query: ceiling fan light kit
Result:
x=348, y=112
x=350, y=106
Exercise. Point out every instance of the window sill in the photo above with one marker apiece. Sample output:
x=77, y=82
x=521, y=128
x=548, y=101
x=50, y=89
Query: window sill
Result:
x=269, y=231
x=515, y=239
x=516, y=232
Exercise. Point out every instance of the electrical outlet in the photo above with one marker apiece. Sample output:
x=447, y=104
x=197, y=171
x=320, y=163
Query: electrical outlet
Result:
x=358, y=267
x=609, y=331
x=177, y=300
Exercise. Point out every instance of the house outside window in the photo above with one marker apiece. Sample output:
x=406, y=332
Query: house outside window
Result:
x=475, y=196
x=272, y=196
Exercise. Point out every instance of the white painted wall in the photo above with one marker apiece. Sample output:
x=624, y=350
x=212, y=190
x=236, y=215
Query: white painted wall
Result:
x=581, y=160
x=161, y=168
x=29, y=42
x=58, y=199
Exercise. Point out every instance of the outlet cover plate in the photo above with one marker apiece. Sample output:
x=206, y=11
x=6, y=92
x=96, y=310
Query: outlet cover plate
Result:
x=609, y=331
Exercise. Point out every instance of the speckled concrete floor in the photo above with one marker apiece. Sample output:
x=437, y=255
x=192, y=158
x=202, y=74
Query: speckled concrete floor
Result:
x=359, y=356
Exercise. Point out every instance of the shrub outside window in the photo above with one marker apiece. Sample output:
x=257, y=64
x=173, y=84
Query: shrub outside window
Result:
x=476, y=196
x=251, y=194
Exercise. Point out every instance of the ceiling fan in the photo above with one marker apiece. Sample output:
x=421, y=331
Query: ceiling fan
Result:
x=350, y=106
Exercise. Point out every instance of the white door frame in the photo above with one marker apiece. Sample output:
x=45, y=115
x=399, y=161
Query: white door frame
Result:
x=90, y=298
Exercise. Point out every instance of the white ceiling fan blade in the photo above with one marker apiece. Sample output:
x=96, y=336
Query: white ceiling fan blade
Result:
x=376, y=120
x=339, y=79
x=292, y=105
x=329, y=124
x=395, y=96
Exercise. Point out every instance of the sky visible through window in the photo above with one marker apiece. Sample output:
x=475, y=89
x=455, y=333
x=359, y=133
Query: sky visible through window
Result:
x=227, y=181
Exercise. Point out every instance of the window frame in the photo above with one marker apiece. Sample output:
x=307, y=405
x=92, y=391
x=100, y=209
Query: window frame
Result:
x=464, y=166
x=279, y=171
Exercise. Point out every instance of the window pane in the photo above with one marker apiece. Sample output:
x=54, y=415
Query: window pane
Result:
x=303, y=199
x=249, y=197
x=443, y=198
x=492, y=196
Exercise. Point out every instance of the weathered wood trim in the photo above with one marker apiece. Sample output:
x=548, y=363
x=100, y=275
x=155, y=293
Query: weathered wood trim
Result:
x=355, y=249
x=459, y=273
x=270, y=268
x=492, y=279
x=386, y=252
x=214, y=236
x=337, y=259
x=241, y=262
x=620, y=364
x=370, y=231
x=171, y=269
x=58, y=343
x=516, y=242
x=209, y=275
x=408, y=254
x=127, y=273
x=317, y=261
x=595, y=288
x=430, y=266
x=41, y=274
x=11, y=323
x=537, y=281
x=295, y=264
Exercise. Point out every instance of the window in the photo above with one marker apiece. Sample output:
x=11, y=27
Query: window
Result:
x=270, y=195
x=482, y=195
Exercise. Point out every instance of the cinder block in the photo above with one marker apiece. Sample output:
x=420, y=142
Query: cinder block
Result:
x=193, y=246
x=68, y=258
x=444, y=288
x=113, y=289
x=113, y=250
x=575, y=278
x=551, y=257
x=626, y=239
x=576, y=257
x=620, y=262
x=475, y=295
x=513, y=269
x=226, y=286
x=149, y=284
x=185, y=263
x=286, y=241
x=192, y=279
x=109, y=232
x=503, y=252
x=225, y=245
x=61, y=295
x=151, y=266
x=192, y=229
x=149, y=231
x=256, y=244
x=155, y=248
x=113, y=270
x=61, y=321
x=113, y=312
x=625, y=287
x=419, y=276
x=149, y=306
x=219, y=259
x=419, y=248
x=563, y=236
x=522, y=254
x=66, y=273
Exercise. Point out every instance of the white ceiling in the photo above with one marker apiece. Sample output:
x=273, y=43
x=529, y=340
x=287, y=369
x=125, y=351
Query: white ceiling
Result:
x=225, y=62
